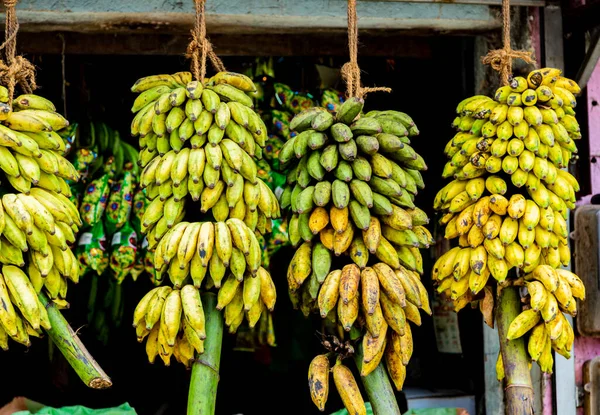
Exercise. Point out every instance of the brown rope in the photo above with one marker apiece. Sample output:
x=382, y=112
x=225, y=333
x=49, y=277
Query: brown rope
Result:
x=501, y=59
x=351, y=70
x=200, y=47
x=14, y=69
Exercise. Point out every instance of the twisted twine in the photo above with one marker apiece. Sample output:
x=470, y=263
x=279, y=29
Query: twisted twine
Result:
x=200, y=47
x=351, y=70
x=14, y=69
x=501, y=59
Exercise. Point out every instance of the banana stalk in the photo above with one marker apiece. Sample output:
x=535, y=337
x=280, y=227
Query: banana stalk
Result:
x=205, y=370
x=63, y=336
x=378, y=388
x=518, y=391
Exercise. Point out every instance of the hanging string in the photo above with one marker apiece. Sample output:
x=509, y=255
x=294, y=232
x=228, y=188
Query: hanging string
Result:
x=351, y=70
x=501, y=59
x=200, y=47
x=14, y=69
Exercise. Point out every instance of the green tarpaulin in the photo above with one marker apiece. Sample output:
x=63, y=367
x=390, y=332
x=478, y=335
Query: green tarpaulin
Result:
x=124, y=409
x=436, y=411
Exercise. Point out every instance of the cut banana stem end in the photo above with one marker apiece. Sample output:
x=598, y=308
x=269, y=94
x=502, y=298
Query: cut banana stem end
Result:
x=69, y=344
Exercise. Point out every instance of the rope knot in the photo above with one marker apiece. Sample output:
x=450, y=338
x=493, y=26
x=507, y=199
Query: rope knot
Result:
x=200, y=47
x=14, y=69
x=351, y=75
x=501, y=61
x=351, y=71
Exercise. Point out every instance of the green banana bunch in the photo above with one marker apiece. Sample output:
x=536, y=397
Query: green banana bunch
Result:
x=351, y=183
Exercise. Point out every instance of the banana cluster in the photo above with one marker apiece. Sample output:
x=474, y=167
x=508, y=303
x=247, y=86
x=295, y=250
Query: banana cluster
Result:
x=508, y=204
x=345, y=383
x=38, y=222
x=199, y=141
x=173, y=321
x=351, y=185
x=27, y=316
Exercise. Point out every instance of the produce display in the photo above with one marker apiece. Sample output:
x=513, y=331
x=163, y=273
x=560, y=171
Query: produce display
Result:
x=105, y=196
x=37, y=219
x=351, y=182
x=508, y=206
x=198, y=143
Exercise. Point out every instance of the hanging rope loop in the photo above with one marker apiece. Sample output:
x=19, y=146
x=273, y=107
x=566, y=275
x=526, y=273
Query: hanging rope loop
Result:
x=14, y=69
x=501, y=59
x=351, y=71
x=200, y=47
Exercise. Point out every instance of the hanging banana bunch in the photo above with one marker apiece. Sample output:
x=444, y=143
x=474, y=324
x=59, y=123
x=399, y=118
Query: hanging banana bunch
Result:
x=508, y=206
x=38, y=222
x=352, y=179
x=199, y=142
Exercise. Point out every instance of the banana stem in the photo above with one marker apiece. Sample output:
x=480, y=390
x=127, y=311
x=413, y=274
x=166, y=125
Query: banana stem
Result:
x=205, y=371
x=67, y=341
x=378, y=387
x=518, y=393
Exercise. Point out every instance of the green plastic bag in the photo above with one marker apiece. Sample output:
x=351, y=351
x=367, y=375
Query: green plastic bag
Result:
x=433, y=411
x=123, y=409
x=345, y=412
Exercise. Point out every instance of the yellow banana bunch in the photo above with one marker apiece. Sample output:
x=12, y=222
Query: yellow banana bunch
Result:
x=201, y=138
x=510, y=211
x=36, y=215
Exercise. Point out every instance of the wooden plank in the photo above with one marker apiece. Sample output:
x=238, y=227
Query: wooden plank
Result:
x=526, y=3
x=590, y=61
x=553, y=35
x=566, y=392
x=334, y=44
x=494, y=393
x=249, y=16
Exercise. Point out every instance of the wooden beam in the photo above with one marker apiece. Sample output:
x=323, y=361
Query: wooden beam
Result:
x=553, y=37
x=526, y=3
x=249, y=16
x=320, y=44
x=592, y=56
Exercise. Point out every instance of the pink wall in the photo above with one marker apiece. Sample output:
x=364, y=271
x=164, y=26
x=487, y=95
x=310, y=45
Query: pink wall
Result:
x=586, y=348
x=593, y=90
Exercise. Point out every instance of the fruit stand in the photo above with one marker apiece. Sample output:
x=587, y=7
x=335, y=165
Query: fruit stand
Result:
x=220, y=191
